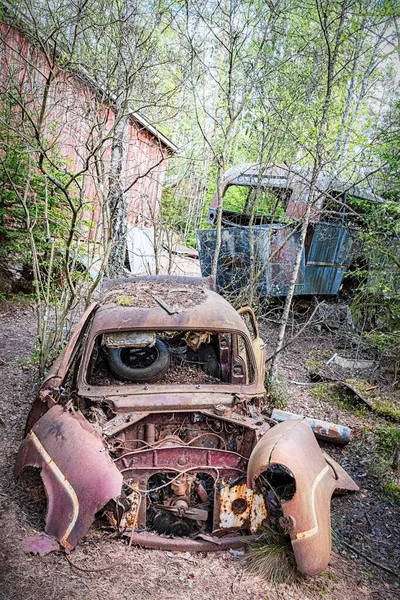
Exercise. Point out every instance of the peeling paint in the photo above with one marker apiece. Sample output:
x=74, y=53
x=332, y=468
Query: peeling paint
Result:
x=254, y=507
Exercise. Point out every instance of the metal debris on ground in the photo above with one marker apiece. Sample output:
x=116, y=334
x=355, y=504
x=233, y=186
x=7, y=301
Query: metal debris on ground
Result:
x=323, y=430
x=40, y=544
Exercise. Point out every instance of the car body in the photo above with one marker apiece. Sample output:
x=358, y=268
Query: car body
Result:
x=174, y=450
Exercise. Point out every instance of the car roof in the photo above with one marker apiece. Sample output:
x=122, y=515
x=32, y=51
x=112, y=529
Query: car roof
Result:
x=206, y=311
x=280, y=176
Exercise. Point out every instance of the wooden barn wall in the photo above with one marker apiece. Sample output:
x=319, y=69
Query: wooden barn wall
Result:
x=75, y=114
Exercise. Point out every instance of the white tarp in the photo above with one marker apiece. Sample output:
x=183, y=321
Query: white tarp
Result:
x=140, y=244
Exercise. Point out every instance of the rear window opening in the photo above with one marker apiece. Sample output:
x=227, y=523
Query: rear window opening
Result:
x=169, y=357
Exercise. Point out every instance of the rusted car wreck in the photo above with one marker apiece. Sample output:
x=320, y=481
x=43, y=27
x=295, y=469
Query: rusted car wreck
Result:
x=149, y=415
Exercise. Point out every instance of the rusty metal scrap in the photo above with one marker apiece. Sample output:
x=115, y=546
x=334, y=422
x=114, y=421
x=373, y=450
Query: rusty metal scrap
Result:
x=308, y=482
x=78, y=474
x=40, y=544
x=328, y=432
x=240, y=505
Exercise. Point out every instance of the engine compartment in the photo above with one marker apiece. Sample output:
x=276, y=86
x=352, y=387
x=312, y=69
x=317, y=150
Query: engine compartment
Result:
x=180, y=505
x=188, y=467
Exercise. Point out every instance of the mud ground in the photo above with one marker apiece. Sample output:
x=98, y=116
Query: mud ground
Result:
x=368, y=520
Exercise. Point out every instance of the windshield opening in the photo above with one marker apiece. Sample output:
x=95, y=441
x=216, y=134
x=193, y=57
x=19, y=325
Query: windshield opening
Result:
x=256, y=201
x=168, y=358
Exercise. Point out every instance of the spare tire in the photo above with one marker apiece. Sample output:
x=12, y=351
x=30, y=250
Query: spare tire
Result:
x=139, y=364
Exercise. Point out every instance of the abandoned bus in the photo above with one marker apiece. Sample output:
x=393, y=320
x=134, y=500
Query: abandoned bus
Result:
x=261, y=221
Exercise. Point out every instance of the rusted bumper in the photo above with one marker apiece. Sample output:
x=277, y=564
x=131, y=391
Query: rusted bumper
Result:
x=290, y=448
x=78, y=474
x=215, y=544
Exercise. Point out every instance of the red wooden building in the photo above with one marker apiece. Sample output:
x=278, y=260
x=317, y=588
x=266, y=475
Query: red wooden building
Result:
x=79, y=116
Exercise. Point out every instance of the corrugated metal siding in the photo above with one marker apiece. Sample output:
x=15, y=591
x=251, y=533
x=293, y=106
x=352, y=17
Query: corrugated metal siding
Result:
x=328, y=259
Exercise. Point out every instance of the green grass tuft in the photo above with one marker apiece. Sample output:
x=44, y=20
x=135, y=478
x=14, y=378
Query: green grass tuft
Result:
x=387, y=439
x=272, y=558
x=278, y=392
x=392, y=490
x=387, y=409
x=333, y=394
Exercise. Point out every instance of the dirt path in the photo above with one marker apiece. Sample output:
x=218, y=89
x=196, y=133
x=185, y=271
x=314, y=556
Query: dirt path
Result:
x=367, y=520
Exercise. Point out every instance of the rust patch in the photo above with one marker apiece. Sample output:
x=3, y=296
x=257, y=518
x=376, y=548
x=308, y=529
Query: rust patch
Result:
x=238, y=505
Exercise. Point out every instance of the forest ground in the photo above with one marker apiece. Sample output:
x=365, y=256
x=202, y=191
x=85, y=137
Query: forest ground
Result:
x=367, y=520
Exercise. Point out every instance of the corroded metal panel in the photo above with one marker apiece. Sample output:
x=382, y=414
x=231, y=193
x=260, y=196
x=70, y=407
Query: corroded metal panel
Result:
x=284, y=246
x=328, y=259
x=240, y=505
x=271, y=252
x=292, y=447
x=78, y=474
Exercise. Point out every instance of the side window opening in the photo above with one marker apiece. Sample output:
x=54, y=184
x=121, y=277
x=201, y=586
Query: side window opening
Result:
x=243, y=363
x=247, y=318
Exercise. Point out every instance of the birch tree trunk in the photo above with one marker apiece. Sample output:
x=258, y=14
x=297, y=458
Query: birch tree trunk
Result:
x=332, y=59
x=116, y=191
x=117, y=201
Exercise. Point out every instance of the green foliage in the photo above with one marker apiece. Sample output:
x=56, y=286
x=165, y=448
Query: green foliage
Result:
x=252, y=201
x=387, y=409
x=38, y=229
x=235, y=198
x=315, y=363
x=389, y=151
x=387, y=439
x=44, y=202
x=377, y=302
x=333, y=394
x=123, y=301
x=277, y=391
x=392, y=490
x=174, y=212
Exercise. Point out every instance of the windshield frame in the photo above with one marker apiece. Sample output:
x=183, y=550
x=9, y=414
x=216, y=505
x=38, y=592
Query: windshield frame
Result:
x=87, y=389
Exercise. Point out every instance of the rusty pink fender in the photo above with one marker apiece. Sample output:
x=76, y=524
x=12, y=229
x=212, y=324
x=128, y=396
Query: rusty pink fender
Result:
x=288, y=461
x=79, y=476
